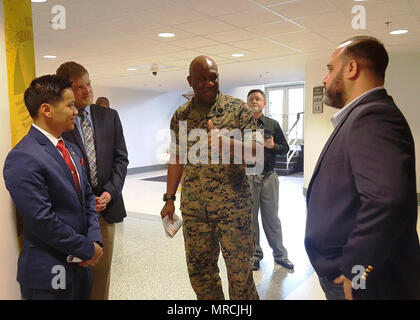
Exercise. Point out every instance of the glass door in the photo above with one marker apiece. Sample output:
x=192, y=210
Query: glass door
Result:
x=286, y=105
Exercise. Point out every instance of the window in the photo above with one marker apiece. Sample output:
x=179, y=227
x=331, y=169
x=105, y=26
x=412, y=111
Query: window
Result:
x=286, y=104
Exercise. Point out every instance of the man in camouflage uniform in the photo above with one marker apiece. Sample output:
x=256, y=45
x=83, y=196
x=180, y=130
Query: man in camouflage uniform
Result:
x=216, y=202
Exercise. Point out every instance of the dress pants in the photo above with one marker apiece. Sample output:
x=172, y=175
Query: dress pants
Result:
x=101, y=273
x=265, y=196
x=79, y=289
x=332, y=291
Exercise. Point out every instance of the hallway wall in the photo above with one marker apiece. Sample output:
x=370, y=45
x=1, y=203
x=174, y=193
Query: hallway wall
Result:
x=9, y=288
x=145, y=116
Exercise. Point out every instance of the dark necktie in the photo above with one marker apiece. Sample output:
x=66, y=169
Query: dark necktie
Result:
x=66, y=156
x=89, y=147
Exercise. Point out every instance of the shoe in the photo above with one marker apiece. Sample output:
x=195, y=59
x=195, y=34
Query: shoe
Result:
x=255, y=265
x=285, y=263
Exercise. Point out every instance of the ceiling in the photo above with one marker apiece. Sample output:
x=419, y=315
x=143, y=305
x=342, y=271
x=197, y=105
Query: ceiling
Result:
x=276, y=37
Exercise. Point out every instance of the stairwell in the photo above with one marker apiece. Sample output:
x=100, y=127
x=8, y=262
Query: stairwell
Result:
x=295, y=163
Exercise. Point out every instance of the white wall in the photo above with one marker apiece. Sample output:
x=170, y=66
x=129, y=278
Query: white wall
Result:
x=240, y=92
x=401, y=82
x=9, y=288
x=146, y=114
x=143, y=115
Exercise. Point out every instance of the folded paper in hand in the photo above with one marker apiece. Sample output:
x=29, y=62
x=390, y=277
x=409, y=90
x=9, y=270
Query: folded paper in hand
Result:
x=171, y=228
x=73, y=259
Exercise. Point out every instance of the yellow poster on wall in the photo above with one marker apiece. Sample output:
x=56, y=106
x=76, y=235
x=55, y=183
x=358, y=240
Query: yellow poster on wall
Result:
x=20, y=59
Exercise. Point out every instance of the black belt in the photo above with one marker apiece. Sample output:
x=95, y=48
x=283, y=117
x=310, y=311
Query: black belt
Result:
x=264, y=173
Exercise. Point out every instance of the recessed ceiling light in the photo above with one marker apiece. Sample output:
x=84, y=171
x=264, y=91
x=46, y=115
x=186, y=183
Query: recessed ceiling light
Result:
x=399, y=31
x=38, y=0
x=50, y=57
x=237, y=55
x=166, y=35
x=131, y=69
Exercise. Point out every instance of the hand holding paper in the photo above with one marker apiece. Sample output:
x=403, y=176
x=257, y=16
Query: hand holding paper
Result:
x=171, y=228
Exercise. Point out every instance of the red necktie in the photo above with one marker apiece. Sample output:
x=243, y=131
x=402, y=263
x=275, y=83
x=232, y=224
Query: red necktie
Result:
x=66, y=156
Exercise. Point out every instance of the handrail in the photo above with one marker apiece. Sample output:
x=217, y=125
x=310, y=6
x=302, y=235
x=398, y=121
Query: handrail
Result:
x=294, y=124
x=292, y=142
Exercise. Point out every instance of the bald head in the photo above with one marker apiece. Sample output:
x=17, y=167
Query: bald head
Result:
x=202, y=61
x=204, y=79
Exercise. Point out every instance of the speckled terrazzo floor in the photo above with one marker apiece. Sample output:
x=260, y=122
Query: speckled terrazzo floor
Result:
x=147, y=265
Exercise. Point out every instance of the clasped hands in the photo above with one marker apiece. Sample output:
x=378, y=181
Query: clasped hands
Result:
x=97, y=254
x=102, y=201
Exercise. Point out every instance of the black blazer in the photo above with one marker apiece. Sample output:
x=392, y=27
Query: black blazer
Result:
x=362, y=203
x=111, y=158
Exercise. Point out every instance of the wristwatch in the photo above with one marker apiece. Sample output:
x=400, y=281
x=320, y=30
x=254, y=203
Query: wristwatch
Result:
x=168, y=197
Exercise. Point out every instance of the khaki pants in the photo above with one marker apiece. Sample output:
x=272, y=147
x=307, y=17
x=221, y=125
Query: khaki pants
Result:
x=101, y=273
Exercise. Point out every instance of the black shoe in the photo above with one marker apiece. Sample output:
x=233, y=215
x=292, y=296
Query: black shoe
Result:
x=255, y=265
x=285, y=263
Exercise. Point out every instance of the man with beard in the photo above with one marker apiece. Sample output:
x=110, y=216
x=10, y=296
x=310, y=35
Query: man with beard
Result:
x=265, y=186
x=361, y=233
x=216, y=202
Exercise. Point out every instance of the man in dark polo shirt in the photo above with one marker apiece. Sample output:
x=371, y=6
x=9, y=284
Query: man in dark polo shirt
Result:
x=265, y=186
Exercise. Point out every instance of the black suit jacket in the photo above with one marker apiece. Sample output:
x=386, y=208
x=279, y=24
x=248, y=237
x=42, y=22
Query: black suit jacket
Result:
x=362, y=203
x=111, y=158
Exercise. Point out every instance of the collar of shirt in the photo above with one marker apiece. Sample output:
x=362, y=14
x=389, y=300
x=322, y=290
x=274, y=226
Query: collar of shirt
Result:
x=340, y=115
x=261, y=121
x=50, y=137
x=87, y=109
x=211, y=111
x=54, y=141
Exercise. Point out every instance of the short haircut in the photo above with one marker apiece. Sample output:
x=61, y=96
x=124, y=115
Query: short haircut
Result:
x=255, y=91
x=100, y=99
x=45, y=89
x=71, y=70
x=369, y=49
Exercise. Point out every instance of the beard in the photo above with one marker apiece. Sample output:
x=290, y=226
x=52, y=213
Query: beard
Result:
x=256, y=109
x=334, y=95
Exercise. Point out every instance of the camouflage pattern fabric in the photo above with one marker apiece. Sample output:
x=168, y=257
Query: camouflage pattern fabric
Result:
x=203, y=241
x=213, y=191
x=216, y=206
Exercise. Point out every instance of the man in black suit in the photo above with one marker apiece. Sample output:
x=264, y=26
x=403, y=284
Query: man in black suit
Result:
x=361, y=233
x=99, y=135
